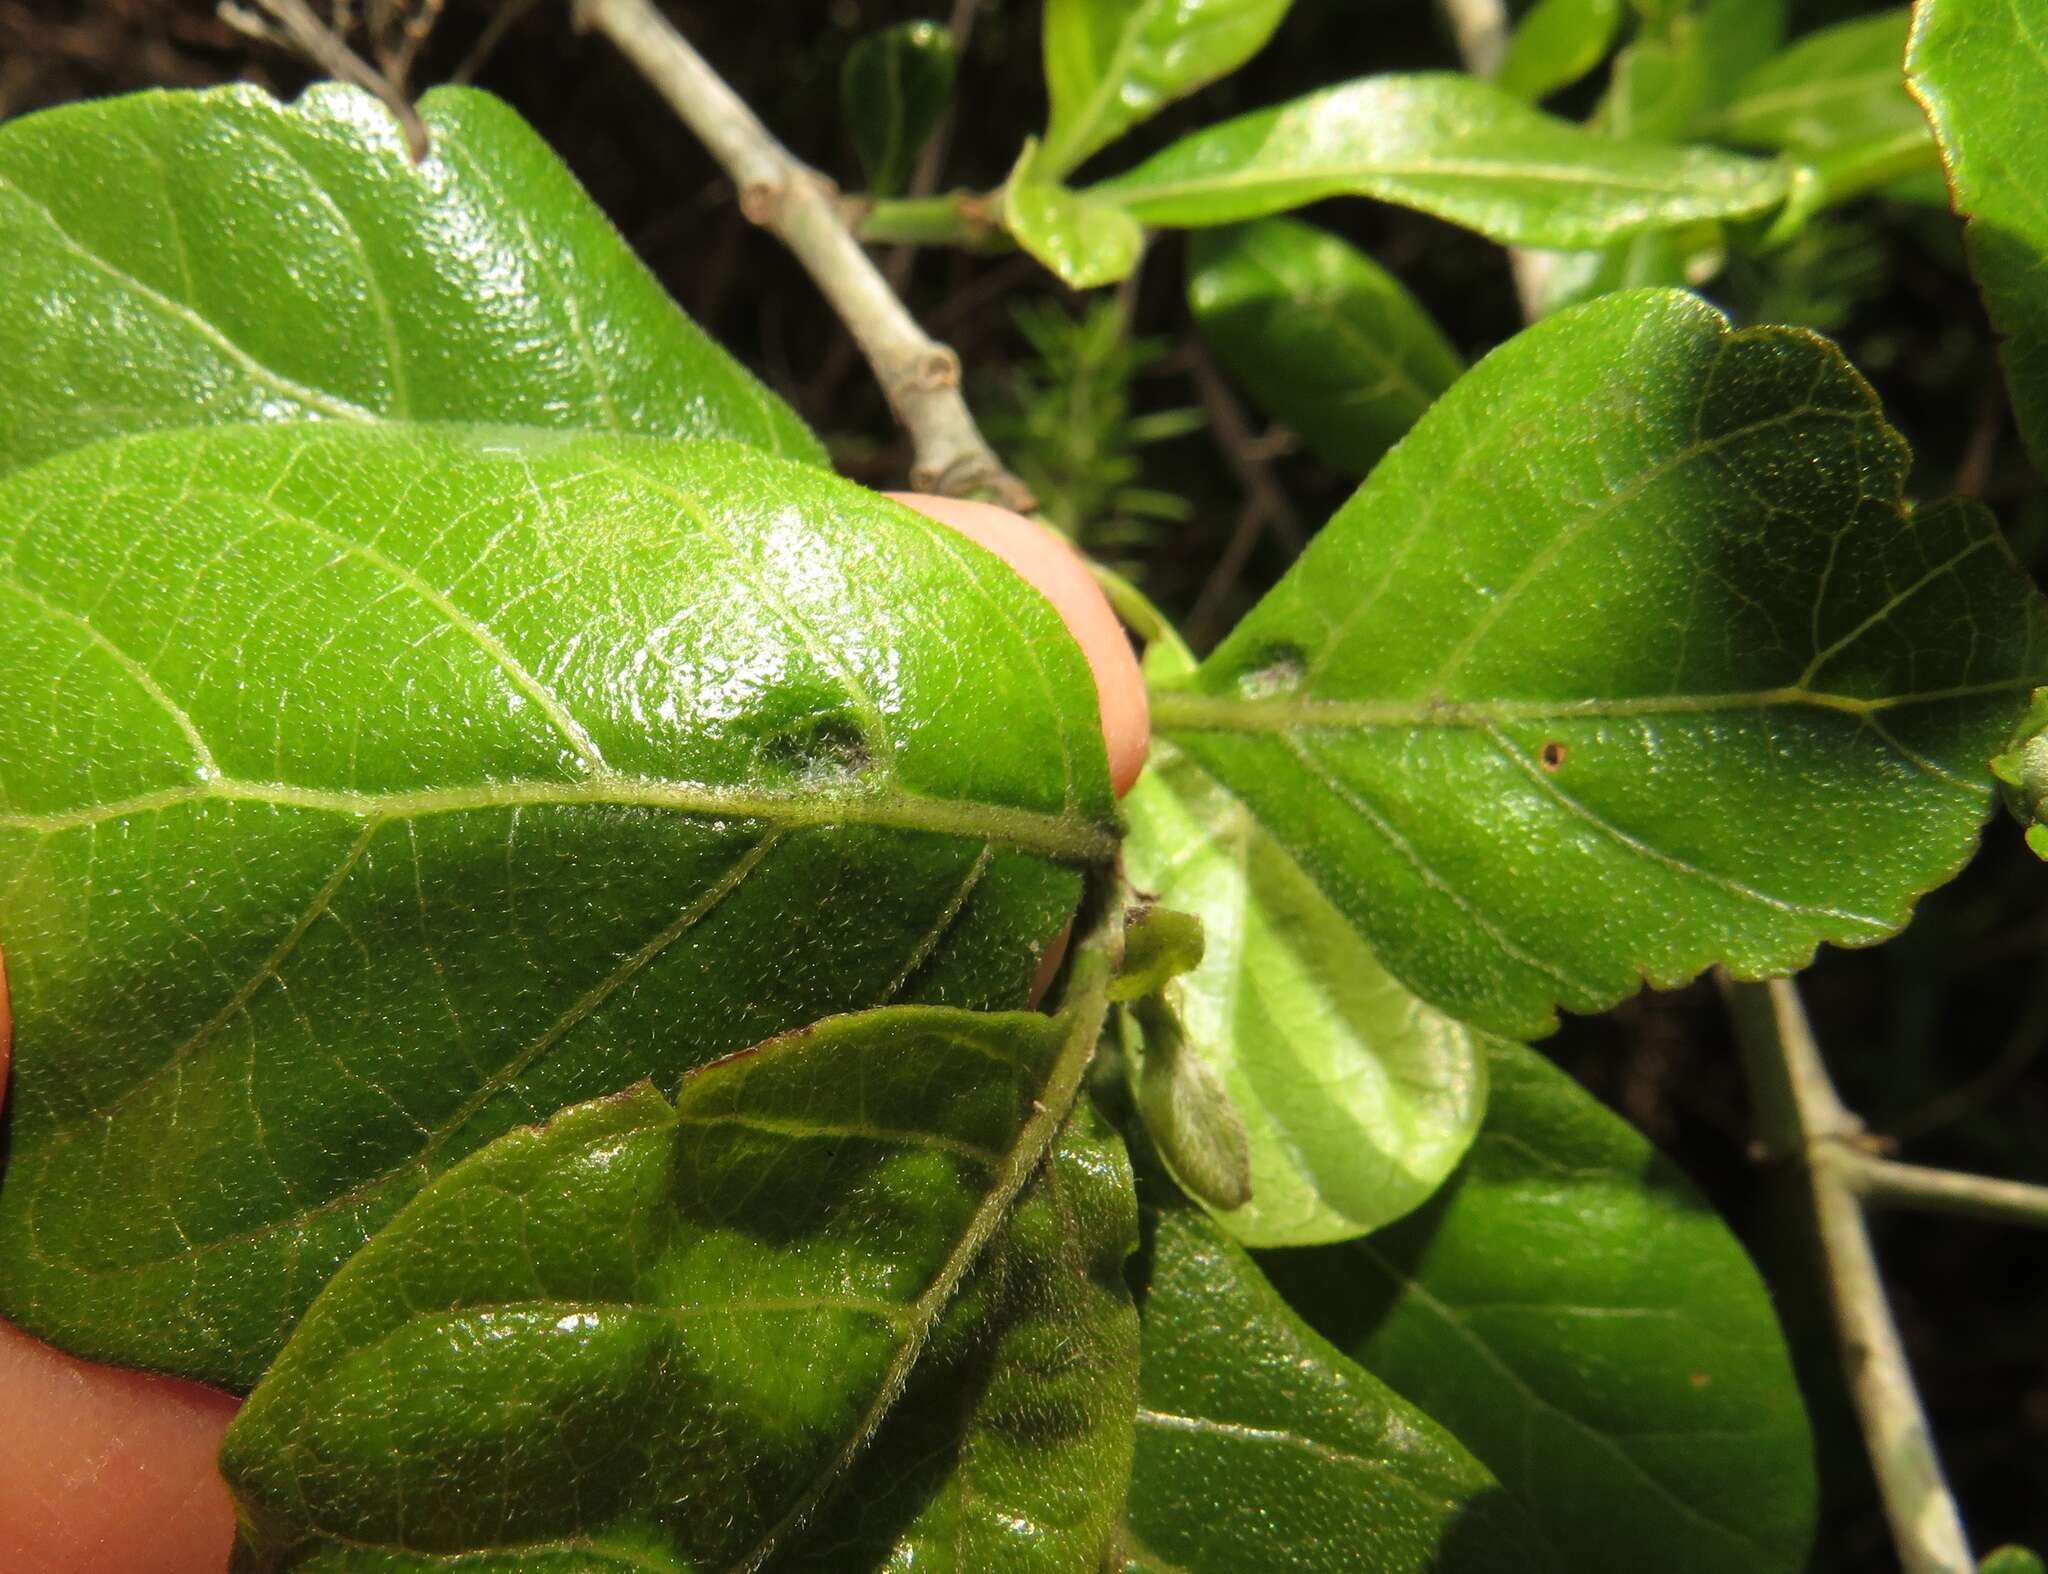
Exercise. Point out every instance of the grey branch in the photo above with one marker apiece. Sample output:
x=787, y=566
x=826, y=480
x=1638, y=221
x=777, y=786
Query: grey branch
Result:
x=1889, y=1184
x=1482, y=31
x=1800, y=1118
x=920, y=376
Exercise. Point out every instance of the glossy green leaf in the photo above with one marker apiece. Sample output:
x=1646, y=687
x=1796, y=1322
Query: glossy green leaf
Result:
x=893, y=88
x=1264, y=1450
x=1357, y=1099
x=1578, y=1316
x=1599, y=674
x=1982, y=72
x=1012, y=1452
x=1660, y=87
x=1558, y=42
x=1658, y=259
x=1110, y=64
x=1448, y=145
x=1323, y=338
x=1837, y=100
x=651, y=1324
x=1084, y=241
x=187, y=259
x=368, y=791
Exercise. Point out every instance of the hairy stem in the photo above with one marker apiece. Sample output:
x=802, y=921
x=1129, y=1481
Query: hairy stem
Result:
x=1800, y=1118
x=920, y=376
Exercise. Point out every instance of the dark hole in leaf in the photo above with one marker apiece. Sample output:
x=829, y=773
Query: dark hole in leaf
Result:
x=1279, y=671
x=1553, y=755
x=819, y=751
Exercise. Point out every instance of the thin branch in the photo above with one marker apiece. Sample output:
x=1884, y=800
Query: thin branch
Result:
x=1887, y=1183
x=920, y=376
x=293, y=24
x=1266, y=503
x=1800, y=1118
x=506, y=16
x=1481, y=28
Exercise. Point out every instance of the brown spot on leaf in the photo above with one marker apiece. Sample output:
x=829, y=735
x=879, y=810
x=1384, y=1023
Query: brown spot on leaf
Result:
x=1553, y=755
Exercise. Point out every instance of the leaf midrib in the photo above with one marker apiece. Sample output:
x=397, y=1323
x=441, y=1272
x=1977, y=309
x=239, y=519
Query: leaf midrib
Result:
x=1681, y=182
x=1066, y=838
x=1187, y=710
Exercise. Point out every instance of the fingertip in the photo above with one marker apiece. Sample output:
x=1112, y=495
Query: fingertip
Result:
x=116, y=1472
x=1053, y=568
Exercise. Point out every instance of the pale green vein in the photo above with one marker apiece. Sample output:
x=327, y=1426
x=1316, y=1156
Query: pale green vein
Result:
x=550, y=706
x=1468, y=1336
x=1060, y=837
x=1365, y=176
x=1183, y=710
x=318, y=399
x=1081, y=1015
x=180, y=718
x=1546, y=785
x=582, y=1007
x=986, y=1158
x=1388, y=833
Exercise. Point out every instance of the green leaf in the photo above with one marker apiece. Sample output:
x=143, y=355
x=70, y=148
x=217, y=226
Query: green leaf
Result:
x=368, y=791
x=1260, y=1447
x=1982, y=73
x=189, y=259
x=1671, y=77
x=646, y=1324
x=2012, y=1560
x=1014, y=1452
x=1324, y=339
x=1110, y=64
x=1448, y=145
x=1084, y=241
x=1597, y=676
x=1357, y=1099
x=2022, y=772
x=1186, y=1110
x=1159, y=946
x=1558, y=42
x=893, y=88
x=1577, y=1315
x=1837, y=99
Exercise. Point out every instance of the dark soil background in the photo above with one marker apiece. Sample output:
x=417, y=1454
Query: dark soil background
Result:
x=1937, y=1039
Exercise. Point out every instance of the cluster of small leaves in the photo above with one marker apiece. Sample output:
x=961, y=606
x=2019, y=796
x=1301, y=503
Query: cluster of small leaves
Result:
x=517, y=881
x=1065, y=420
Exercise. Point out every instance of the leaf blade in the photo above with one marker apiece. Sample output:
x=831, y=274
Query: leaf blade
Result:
x=1111, y=64
x=1573, y=1311
x=1016, y=1452
x=1357, y=1099
x=1673, y=801
x=1325, y=339
x=1974, y=69
x=188, y=932
x=224, y=257
x=1447, y=145
x=1261, y=1446
x=626, y=1281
